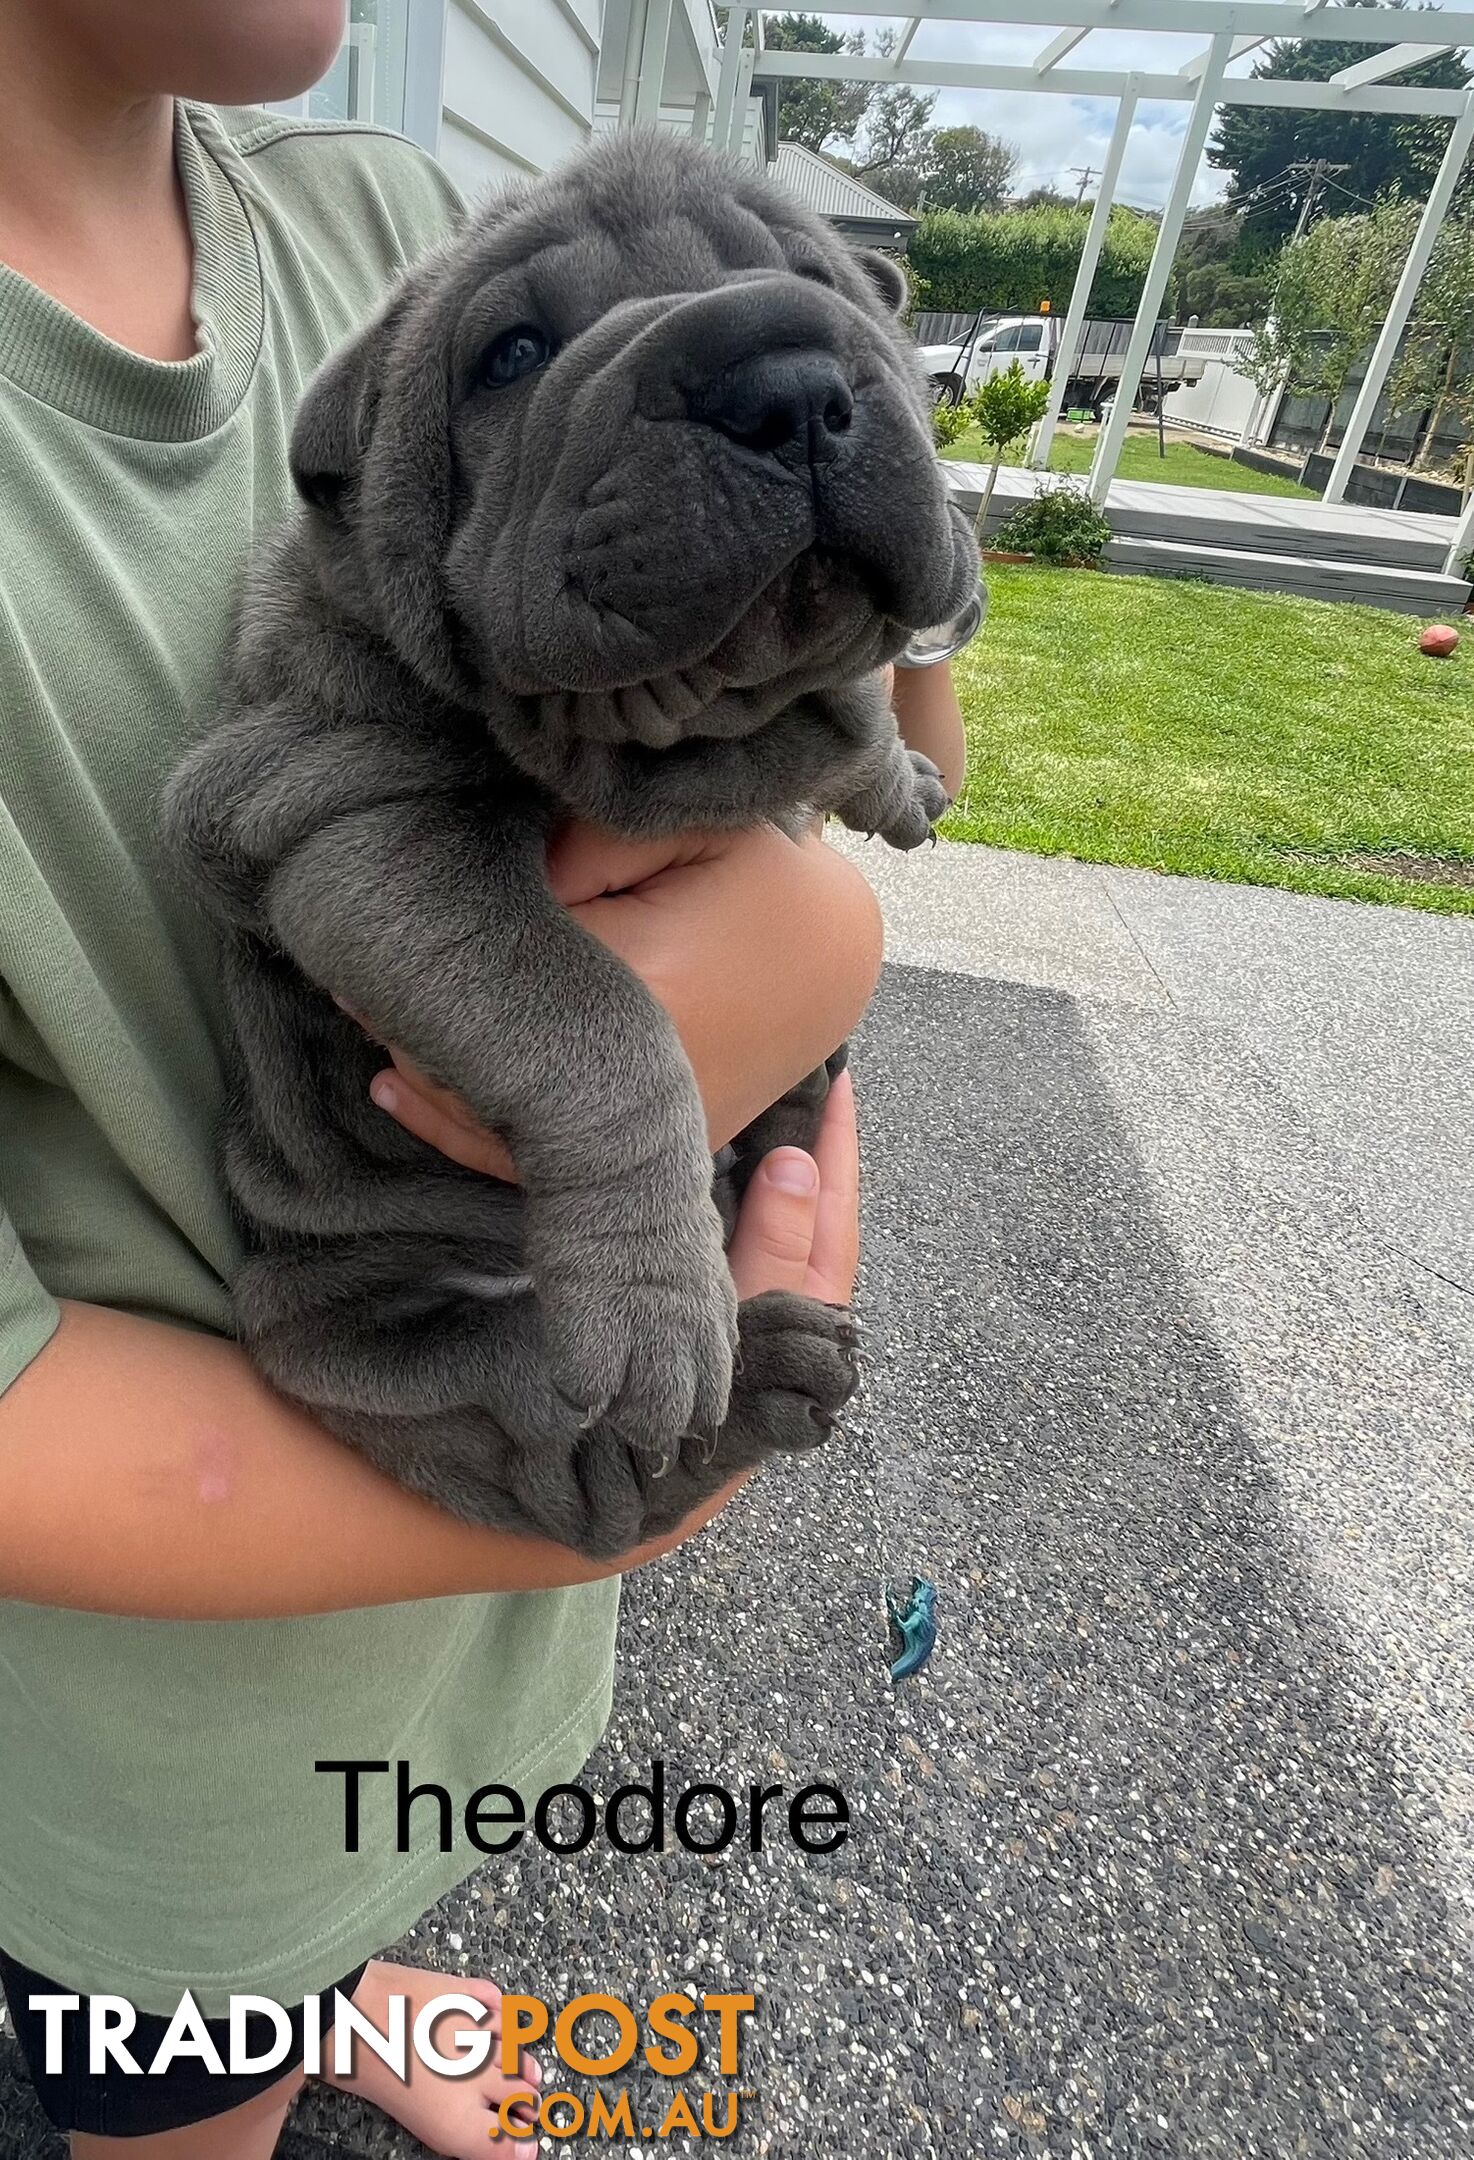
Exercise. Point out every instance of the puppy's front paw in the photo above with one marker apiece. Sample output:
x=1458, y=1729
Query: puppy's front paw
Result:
x=650, y=1354
x=902, y=802
x=798, y=1365
x=929, y=800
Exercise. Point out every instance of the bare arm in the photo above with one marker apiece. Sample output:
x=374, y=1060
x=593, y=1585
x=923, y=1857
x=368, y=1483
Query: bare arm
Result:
x=930, y=720
x=667, y=908
x=148, y=1471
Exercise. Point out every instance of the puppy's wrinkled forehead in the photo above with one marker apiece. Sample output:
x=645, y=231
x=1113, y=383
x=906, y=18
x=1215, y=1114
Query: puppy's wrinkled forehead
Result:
x=581, y=276
x=663, y=224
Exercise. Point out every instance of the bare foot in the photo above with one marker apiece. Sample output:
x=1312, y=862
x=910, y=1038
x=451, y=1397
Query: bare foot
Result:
x=453, y=2116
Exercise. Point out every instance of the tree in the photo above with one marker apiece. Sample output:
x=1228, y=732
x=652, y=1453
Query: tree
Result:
x=1436, y=366
x=894, y=147
x=897, y=124
x=1221, y=274
x=1259, y=144
x=809, y=112
x=1005, y=407
x=932, y=170
x=1334, y=286
x=962, y=168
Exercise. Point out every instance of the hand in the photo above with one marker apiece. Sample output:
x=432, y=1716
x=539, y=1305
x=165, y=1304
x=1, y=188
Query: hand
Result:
x=706, y=920
x=799, y=1227
x=794, y=1233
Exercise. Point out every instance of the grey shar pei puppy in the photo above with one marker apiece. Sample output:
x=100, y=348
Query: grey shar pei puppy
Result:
x=613, y=512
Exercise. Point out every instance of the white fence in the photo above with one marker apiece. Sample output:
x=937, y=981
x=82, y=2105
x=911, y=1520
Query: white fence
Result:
x=1219, y=401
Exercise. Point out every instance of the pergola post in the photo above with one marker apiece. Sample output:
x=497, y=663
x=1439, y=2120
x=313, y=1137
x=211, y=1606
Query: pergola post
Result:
x=727, y=77
x=634, y=51
x=652, y=63
x=653, y=50
x=747, y=61
x=701, y=115
x=1074, y=322
x=1462, y=546
x=1113, y=434
x=1384, y=352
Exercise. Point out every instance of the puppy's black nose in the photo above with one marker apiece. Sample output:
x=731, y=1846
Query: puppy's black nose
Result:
x=794, y=402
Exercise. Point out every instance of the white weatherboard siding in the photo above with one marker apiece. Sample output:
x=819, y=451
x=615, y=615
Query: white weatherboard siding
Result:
x=519, y=87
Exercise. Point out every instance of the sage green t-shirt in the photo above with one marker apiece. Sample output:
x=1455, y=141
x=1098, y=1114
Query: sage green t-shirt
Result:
x=161, y=1825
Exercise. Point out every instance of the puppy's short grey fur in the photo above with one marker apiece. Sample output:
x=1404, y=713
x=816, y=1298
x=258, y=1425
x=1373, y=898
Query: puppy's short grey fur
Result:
x=647, y=582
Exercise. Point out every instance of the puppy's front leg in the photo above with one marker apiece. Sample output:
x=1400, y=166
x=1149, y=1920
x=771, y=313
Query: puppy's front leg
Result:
x=885, y=788
x=437, y=922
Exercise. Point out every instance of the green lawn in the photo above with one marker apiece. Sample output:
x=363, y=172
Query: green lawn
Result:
x=1184, y=465
x=1221, y=733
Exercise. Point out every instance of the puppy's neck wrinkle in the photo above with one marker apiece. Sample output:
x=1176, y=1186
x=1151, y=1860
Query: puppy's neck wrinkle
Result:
x=798, y=752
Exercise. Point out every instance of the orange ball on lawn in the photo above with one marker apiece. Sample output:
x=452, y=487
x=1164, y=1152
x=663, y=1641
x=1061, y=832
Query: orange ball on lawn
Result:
x=1440, y=639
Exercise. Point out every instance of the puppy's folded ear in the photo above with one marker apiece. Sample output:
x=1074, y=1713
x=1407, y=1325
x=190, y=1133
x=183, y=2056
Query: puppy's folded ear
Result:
x=335, y=420
x=371, y=452
x=886, y=275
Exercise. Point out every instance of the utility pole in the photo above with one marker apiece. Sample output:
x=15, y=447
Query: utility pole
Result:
x=1086, y=174
x=1317, y=171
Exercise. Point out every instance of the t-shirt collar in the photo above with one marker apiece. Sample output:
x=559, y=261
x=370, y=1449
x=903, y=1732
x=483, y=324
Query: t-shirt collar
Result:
x=53, y=355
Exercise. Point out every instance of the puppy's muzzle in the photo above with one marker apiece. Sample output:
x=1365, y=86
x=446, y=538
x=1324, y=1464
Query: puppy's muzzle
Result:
x=794, y=404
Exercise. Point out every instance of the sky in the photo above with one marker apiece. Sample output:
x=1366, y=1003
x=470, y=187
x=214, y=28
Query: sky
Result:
x=1051, y=132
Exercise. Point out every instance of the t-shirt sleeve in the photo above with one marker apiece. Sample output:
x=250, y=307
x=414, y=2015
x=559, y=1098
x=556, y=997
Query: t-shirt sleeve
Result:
x=403, y=195
x=28, y=1312
x=431, y=204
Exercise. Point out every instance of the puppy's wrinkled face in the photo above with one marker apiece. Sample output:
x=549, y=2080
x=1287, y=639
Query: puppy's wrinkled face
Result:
x=645, y=446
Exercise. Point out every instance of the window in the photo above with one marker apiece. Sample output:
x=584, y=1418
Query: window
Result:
x=1019, y=337
x=367, y=79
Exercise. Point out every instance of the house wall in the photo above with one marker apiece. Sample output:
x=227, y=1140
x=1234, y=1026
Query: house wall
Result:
x=518, y=87
x=501, y=88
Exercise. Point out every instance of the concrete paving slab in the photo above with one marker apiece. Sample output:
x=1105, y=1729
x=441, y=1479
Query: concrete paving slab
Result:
x=1366, y=1017
x=1015, y=918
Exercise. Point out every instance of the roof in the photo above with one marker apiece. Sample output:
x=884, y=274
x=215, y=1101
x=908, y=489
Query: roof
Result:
x=823, y=187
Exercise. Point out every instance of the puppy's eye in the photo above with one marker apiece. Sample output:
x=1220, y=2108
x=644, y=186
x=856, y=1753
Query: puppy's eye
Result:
x=515, y=353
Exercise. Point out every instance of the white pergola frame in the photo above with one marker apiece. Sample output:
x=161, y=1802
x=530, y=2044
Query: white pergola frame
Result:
x=1396, y=39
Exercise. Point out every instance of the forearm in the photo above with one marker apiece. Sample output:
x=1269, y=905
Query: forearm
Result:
x=930, y=720
x=148, y=1471
x=204, y=1495
x=771, y=973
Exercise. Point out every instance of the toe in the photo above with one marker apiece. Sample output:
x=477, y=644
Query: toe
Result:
x=513, y=2104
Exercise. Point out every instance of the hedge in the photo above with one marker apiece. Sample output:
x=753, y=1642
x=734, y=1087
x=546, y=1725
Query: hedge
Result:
x=1013, y=259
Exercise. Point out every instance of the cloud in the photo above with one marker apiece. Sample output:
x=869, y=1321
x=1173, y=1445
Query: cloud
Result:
x=1054, y=133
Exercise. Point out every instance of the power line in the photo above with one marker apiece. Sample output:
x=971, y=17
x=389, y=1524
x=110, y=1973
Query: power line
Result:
x=1317, y=170
x=1351, y=194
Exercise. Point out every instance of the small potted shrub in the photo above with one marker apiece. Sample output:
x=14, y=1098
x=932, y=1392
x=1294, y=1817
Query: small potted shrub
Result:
x=1059, y=525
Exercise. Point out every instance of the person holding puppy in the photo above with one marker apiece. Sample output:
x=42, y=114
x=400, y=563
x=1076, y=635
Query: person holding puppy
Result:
x=201, y=1593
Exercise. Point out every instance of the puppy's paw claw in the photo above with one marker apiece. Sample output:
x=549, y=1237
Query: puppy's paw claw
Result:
x=800, y=1368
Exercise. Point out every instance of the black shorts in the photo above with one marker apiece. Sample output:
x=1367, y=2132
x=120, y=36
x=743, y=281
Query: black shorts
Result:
x=111, y=2103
